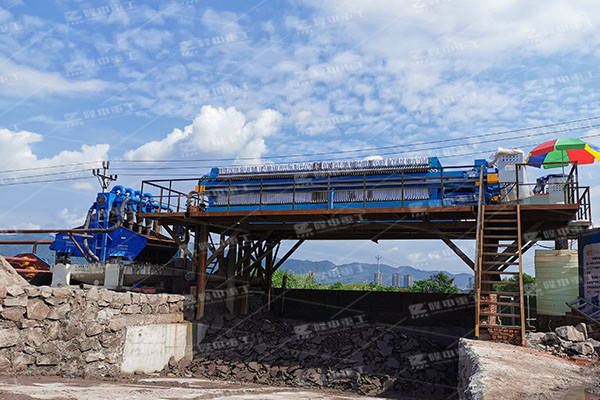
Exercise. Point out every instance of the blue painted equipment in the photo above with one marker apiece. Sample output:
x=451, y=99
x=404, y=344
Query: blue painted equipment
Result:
x=112, y=231
x=398, y=182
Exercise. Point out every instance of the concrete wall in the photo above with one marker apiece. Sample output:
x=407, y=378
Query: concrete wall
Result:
x=557, y=280
x=414, y=309
x=86, y=332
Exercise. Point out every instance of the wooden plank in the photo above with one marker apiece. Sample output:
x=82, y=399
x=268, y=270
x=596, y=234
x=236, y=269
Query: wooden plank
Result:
x=512, y=327
x=493, y=314
x=501, y=282
x=499, y=273
x=499, y=303
x=521, y=299
x=513, y=294
x=478, y=252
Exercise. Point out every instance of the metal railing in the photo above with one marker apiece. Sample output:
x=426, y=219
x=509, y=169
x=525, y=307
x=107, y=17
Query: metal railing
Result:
x=180, y=195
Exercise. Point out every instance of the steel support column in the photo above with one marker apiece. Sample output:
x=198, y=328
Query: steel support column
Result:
x=201, y=247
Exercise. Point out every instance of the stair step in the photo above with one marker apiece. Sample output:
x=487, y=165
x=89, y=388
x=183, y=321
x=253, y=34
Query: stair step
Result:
x=500, y=263
x=499, y=245
x=499, y=273
x=500, y=228
x=501, y=212
x=514, y=294
x=492, y=314
x=499, y=303
x=513, y=237
x=514, y=327
x=491, y=253
x=501, y=282
x=502, y=220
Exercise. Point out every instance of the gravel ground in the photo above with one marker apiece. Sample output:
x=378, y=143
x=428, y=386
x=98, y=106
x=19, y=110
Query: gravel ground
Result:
x=144, y=388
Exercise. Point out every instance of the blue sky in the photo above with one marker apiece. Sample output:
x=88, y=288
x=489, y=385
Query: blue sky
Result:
x=82, y=81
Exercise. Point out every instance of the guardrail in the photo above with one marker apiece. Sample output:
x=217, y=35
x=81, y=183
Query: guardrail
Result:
x=180, y=195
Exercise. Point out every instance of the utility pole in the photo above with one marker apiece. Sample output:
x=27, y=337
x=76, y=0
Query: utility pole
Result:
x=378, y=277
x=103, y=176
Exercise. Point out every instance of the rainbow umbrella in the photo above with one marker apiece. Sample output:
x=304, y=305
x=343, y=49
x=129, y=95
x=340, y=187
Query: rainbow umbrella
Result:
x=565, y=152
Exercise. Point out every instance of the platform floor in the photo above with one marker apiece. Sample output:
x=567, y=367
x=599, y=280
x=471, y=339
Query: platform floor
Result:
x=455, y=222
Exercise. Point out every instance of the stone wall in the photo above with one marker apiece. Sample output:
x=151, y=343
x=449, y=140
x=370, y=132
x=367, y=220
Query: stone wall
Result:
x=74, y=332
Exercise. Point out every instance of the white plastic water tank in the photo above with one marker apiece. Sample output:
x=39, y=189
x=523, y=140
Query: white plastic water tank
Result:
x=556, y=279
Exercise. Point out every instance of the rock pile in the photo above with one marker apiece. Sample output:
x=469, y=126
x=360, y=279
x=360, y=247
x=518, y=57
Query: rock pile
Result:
x=566, y=341
x=347, y=354
x=73, y=332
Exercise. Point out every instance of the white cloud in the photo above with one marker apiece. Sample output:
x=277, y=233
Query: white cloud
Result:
x=20, y=80
x=16, y=152
x=71, y=217
x=83, y=186
x=216, y=131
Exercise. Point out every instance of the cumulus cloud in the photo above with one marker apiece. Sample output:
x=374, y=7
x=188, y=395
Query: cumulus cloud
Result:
x=16, y=152
x=71, y=217
x=216, y=130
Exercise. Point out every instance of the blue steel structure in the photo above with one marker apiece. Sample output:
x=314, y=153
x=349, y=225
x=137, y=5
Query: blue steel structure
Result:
x=114, y=233
x=403, y=182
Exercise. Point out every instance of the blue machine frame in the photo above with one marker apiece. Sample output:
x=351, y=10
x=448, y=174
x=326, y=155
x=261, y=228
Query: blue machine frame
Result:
x=401, y=182
x=117, y=207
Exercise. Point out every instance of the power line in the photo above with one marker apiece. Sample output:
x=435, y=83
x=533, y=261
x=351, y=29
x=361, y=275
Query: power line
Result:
x=349, y=151
x=47, y=181
x=432, y=149
x=42, y=175
x=51, y=166
x=394, y=146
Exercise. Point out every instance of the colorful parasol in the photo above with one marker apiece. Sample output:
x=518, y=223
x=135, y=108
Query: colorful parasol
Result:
x=565, y=152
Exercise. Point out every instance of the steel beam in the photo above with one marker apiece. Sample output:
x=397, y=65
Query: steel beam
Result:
x=458, y=251
x=201, y=286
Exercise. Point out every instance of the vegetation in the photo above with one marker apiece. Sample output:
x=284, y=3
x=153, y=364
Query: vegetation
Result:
x=361, y=286
x=308, y=281
x=438, y=283
x=528, y=284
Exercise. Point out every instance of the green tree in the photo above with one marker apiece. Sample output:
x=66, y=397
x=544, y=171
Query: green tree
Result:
x=306, y=281
x=438, y=283
x=528, y=284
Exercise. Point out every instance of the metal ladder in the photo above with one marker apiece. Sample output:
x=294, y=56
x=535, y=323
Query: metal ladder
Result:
x=499, y=229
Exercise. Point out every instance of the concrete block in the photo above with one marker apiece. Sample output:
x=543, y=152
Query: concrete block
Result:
x=148, y=348
x=113, y=278
x=199, y=332
x=61, y=275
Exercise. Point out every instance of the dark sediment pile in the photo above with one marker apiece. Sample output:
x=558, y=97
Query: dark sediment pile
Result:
x=347, y=354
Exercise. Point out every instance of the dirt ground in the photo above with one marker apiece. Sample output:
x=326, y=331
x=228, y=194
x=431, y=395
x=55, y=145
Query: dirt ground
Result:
x=144, y=388
x=515, y=373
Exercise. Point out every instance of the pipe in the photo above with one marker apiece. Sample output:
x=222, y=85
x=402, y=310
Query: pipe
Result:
x=86, y=246
x=189, y=201
x=118, y=189
x=20, y=259
x=108, y=230
x=79, y=247
x=3, y=242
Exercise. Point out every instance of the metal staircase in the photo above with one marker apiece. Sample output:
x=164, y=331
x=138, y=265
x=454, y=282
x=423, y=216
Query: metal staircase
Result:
x=499, y=313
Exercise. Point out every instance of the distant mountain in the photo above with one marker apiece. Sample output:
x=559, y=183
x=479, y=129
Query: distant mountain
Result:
x=328, y=273
x=12, y=250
